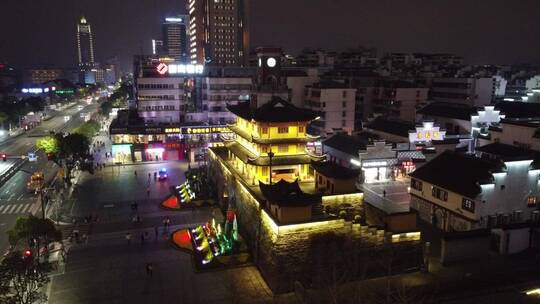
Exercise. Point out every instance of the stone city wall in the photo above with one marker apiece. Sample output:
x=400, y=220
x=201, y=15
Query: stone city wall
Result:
x=282, y=253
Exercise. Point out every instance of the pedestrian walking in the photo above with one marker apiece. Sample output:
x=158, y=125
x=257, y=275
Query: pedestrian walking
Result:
x=166, y=223
x=128, y=238
x=148, y=191
x=142, y=239
x=149, y=269
x=156, y=231
x=384, y=193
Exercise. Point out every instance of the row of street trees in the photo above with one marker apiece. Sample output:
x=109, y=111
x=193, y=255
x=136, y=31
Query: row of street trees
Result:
x=69, y=151
x=118, y=99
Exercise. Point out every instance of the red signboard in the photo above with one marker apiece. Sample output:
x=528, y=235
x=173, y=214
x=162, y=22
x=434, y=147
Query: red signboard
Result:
x=162, y=68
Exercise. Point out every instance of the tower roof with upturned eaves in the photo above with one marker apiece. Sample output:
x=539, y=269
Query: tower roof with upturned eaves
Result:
x=276, y=110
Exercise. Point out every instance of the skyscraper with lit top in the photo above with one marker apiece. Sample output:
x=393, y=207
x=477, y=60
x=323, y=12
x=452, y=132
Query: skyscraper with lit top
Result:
x=175, y=37
x=85, y=45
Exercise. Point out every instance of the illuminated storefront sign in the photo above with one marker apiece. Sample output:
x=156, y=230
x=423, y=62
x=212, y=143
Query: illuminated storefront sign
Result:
x=374, y=164
x=172, y=130
x=37, y=90
x=179, y=69
x=204, y=130
x=426, y=133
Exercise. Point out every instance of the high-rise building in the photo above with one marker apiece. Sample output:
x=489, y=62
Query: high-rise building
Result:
x=85, y=44
x=158, y=47
x=175, y=37
x=219, y=32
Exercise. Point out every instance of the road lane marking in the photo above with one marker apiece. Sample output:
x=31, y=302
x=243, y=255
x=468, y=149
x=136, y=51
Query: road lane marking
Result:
x=20, y=197
x=2, y=208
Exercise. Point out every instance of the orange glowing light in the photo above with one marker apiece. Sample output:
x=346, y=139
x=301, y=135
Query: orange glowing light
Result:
x=171, y=203
x=182, y=239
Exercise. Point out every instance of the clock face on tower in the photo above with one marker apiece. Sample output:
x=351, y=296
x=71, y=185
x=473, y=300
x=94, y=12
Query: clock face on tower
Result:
x=271, y=62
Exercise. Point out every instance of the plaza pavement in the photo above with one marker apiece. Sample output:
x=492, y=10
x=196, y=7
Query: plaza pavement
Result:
x=105, y=269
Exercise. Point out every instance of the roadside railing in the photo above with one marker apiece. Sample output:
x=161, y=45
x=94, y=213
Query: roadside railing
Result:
x=9, y=173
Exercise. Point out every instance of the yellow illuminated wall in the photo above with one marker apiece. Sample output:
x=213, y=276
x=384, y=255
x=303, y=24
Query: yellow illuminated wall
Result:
x=274, y=131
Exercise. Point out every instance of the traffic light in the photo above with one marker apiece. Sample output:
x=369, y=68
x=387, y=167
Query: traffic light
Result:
x=4, y=157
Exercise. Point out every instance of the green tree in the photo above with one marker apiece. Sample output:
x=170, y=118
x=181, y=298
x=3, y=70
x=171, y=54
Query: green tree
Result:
x=70, y=152
x=74, y=153
x=22, y=279
x=33, y=229
x=105, y=108
x=49, y=144
x=88, y=128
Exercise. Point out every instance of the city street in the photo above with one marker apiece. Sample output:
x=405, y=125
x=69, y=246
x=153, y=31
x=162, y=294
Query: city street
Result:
x=15, y=200
x=106, y=269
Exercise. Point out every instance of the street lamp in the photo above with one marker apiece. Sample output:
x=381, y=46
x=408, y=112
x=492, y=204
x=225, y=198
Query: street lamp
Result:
x=271, y=155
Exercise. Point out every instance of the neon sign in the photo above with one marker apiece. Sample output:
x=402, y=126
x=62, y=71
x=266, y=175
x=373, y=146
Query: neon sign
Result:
x=179, y=69
x=427, y=132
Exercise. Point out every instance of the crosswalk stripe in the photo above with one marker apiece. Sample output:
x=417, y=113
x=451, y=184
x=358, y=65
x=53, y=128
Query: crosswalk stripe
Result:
x=26, y=208
x=2, y=208
x=19, y=208
x=10, y=209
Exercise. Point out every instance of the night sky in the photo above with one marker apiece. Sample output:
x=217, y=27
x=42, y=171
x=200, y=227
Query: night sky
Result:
x=42, y=32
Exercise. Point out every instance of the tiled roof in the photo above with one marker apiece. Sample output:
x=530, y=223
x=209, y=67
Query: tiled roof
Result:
x=333, y=170
x=391, y=126
x=330, y=85
x=248, y=157
x=449, y=110
x=288, y=194
x=347, y=143
x=244, y=134
x=276, y=110
x=459, y=173
x=518, y=109
x=507, y=152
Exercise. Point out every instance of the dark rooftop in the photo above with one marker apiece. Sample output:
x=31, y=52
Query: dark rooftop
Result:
x=507, y=152
x=276, y=110
x=330, y=85
x=525, y=122
x=288, y=194
x=392, y=126
x=293, y=73
x=333, y=170
x=449, y=110
x=347, y=143
x=518, y=109
x=459, y=173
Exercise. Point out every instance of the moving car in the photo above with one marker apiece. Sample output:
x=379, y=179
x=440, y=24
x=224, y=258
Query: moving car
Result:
x=35, y=182
x=162, y=174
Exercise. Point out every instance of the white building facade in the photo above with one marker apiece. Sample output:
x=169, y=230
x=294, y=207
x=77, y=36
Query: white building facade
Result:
x=218, y=92
x=335, y=104
x=471, y=91
x=161, y=100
